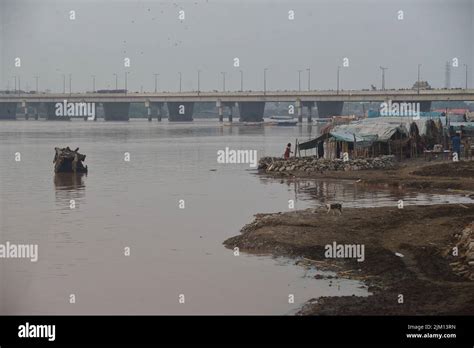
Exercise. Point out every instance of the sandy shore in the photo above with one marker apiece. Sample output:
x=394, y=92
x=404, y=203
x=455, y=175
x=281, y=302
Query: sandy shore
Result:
x=424, y=235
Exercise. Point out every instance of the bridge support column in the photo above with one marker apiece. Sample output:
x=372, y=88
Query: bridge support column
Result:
x=155, y=108
x=159, y=111
x=180, y=111
x=309, y=105
x=299, y=110
x=8, y=111
x=230, y=105
x=251, y=111
x=51, y=113
x=327, y=109
x=220, y=110
x=149, y=113
x=35, y=109
x=116, y=111
x=25, y=108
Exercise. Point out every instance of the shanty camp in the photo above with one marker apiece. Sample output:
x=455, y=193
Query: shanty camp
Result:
x=372, y=137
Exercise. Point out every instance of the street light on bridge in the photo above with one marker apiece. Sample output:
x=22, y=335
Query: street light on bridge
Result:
x=126, y=80
x=180, y=78
x=223, y=81
x=299, y=80
x=36, y=78
x=241, y=81
x=309, y=78
x=93, y=83
x=465, y=65
x=383, y=77
x=199, y=81
x=265, y=80
x=418, y=81
x=156, y=83
x=338, y=68
x=116, y=81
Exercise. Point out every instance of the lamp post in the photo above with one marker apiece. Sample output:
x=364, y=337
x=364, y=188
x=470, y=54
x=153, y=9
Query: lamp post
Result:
x=241, y=81
x=156, y=82
x=223, y=81
x=299, y=80
x=36, y=78
x=199, y=81
x=93, y=83
x=465, y=87
x=265, y=80
x=70, y=83
x=116, y=81
x=126, y=81
x=418, y=81
x=338, y=68
x=309, y=78
x=383, y=77
x=180, y=78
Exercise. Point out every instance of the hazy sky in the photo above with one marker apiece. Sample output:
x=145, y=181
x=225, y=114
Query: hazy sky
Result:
x=214, y=32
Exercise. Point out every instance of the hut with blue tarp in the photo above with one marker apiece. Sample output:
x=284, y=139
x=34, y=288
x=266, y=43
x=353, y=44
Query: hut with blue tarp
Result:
x=373, y=137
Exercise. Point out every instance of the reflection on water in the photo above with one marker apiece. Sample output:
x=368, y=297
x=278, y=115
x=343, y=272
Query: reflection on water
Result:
x=69, y=181
x=355, y=195
x=69, y=186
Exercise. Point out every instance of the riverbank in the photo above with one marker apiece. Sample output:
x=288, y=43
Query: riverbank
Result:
x=408, y=252
x=416, y=173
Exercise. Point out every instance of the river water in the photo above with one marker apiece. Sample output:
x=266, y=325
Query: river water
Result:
x=136, y=204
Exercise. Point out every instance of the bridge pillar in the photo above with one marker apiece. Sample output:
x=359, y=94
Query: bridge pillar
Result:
x=327, y=109
x=156, y=108
x=309, y=105
x=116, y=111
x=51, y=113
x=251, y=111
x=231, y=113
x=8, y=111
x=24, y=105
x=221, y=113
x=180, y=111
x=299, y=110
x=230, y=105
x=35, y=107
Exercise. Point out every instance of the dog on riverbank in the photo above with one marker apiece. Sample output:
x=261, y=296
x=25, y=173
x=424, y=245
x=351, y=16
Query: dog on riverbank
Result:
x=334, y=207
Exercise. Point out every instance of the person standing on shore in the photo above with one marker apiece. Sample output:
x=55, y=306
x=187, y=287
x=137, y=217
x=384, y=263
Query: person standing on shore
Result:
x=288, y=151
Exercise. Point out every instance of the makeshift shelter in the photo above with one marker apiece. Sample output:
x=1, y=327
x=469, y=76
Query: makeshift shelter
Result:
x=373, y=137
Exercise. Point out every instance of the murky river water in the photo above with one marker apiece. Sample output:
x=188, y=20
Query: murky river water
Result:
x=135, y=204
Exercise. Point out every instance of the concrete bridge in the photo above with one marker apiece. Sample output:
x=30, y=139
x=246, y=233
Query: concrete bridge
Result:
x=251, y=104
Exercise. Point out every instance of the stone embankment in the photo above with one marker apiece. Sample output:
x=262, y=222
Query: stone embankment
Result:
x=313, y=164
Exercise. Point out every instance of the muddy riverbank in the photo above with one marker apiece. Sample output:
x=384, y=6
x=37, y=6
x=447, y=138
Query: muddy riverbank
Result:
x=417, y=174
x=408, y=252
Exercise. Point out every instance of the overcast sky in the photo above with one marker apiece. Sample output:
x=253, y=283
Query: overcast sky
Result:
x=214, y=32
